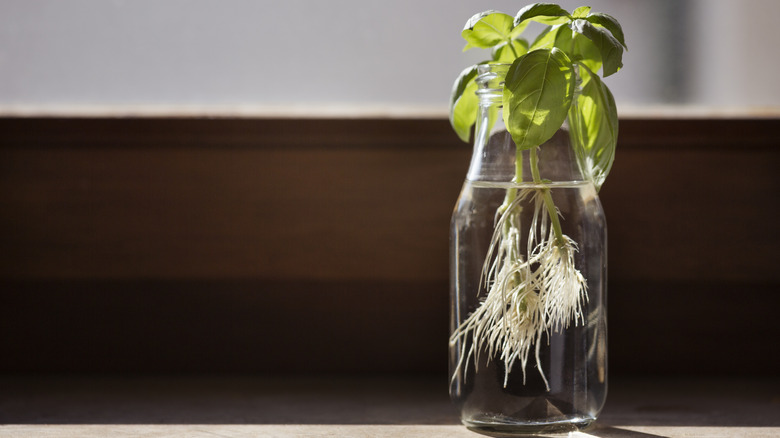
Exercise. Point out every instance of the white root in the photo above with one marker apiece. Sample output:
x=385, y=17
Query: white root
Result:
x=527, y=296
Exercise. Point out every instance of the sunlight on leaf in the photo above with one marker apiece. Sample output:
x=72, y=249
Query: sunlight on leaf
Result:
x=486, y=29
x=464, y=103
x=593, y=122
x=502, y=52
x=545, y=13
x=581, y=12
x=537, y=95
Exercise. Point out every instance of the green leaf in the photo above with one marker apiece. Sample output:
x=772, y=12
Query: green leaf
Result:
x=518, y=30
x=546, y=38
x=502, y=53
x=593, y=124
x=610, y=48
x=555, y=36
x=537, y=96
x=585, y=52
x=610, y=23
x=563, y=39
x=486, y=29
x=581, y=12
x=545, y=13
x=464, y=103
x=576, y=46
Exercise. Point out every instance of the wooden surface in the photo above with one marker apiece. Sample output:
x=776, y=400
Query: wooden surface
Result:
x=253, y=245
x=207, y=406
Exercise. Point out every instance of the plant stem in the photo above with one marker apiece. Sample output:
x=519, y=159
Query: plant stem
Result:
x=511, y=194
x=518, y=167
x=548, y=201
x=535, y=167
x=512, y=47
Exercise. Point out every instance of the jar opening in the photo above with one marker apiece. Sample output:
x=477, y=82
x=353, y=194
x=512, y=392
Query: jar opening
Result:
x=490, y=77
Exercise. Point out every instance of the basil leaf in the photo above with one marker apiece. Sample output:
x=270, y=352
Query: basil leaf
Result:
x=546, y=38
x=502, y=53
x=581, y=12
x=556, y=36
x=610, y=23
x=610, y=48
x=537, y=96
x=577, y=47
x=517, y=30
x=585, y=52
x=464, y=103
x=545, y=13
x=563, y=40
x=593, y=124
x=486, y=29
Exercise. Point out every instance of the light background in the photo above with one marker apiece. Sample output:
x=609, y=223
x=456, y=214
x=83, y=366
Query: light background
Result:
x=349, y=56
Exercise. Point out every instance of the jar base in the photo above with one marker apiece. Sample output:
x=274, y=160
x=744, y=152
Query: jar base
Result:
x=501, y=427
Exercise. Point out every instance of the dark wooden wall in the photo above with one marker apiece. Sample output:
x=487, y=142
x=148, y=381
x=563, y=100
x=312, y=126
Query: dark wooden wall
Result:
x=261, y=245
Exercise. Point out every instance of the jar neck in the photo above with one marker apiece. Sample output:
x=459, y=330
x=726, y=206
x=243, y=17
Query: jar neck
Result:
x=496, y=158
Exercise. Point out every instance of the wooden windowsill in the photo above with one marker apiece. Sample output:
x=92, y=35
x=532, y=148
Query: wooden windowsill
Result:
x=206, y=406
x=351, y=111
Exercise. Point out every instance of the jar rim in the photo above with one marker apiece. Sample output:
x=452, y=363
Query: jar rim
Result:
x=490, y=77
x=493, y=66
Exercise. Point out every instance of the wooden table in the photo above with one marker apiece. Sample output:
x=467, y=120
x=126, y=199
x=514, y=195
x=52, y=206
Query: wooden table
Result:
x=398, y=406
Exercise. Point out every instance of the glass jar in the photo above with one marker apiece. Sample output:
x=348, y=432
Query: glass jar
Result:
x=528, y=266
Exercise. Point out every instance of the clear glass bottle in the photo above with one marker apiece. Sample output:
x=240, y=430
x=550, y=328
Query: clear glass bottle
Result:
x=562, y=384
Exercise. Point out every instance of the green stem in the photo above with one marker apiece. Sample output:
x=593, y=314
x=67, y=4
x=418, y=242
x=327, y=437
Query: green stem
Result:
x=511, y=194
x=512, y=47
x=535, y=167
x=548, y=200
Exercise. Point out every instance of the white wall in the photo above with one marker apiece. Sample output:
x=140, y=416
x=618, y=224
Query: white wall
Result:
x=315, y=55
x=737, y=61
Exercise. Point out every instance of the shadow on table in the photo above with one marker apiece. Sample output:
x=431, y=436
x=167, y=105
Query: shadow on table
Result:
x=616, y=432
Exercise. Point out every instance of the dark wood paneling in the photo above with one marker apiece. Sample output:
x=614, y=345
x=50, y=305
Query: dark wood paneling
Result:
x=246, y=326
x=306, y=245
x=200, y=212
